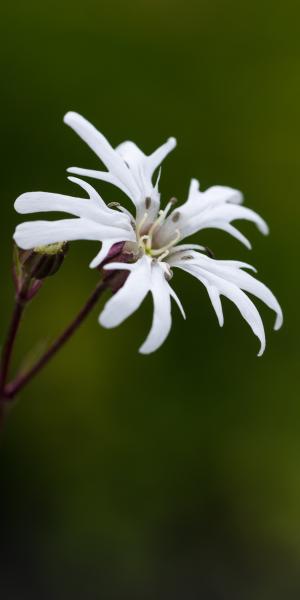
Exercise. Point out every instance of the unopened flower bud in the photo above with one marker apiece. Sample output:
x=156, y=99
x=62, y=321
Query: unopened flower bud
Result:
x=30, y=267
x=43, y=261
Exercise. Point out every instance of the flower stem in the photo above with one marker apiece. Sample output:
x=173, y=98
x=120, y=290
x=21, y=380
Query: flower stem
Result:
x=11, y=389
x=20, y=304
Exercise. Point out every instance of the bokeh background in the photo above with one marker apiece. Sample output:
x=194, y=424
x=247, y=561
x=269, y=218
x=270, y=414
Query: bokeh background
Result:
x=175, y=475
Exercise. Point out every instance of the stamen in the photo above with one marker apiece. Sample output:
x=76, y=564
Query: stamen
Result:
x=175, y=217
x=153, y=227
x=125, y=211
x=163, y=255
x=140, y=226
x=113, y=204
x=144, y=237
x=161, y=250
x=161, y=218
x=145, y=241
x=171, y=203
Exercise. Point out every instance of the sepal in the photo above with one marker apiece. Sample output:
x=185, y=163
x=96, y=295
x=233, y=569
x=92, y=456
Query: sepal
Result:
x=117, y=253
x=31, y=267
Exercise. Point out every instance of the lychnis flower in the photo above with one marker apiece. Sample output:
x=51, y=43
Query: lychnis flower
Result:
x=152, y=237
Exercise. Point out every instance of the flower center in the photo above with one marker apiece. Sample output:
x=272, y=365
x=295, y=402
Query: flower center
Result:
x=146, y=237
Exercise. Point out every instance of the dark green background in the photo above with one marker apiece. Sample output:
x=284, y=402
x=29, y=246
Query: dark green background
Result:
x=175, y=475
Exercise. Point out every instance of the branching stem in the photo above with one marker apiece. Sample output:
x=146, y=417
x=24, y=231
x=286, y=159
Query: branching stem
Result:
x=10, y=390
x=20, y=304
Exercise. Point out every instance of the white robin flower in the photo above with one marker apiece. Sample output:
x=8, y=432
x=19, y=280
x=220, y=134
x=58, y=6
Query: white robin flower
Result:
x=153, y=237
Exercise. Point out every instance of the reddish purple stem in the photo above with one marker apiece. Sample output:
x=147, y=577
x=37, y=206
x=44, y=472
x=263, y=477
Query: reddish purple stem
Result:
x=11, y=389
x=20, y=303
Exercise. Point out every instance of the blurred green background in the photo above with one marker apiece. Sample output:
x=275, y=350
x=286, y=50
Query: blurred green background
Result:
x=174, y=475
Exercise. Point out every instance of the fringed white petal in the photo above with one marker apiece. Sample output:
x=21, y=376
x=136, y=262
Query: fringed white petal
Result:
x=162, y=321
x=95, y=220
x=141, y=165
x=214, y=295
x=136, y=161
x=178, y=302
x=142, y=168
x=227, y=278
x=115, y=266
x=33, y=202
x=216, y=208
x=128, y=167
x=128, y=299
x=99, y=144
x=91, y=192
x=102, y=254
x=101, y=175
x=156, y=158
x=233, y=231
x=181, y=247
x=216, y=194
x=145, y=276
x=40, y=233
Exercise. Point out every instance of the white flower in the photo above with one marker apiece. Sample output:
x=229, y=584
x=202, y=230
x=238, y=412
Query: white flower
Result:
x=152, y=236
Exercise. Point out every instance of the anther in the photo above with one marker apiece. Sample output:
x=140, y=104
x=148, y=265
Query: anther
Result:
x=148, y=202
x=113, y=204
x=175, y=217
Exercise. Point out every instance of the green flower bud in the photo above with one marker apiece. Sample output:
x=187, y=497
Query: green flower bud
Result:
x=44, y=261
x=38, y=263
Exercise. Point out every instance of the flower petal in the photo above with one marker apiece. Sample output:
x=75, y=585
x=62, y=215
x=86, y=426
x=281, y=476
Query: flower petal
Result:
x=128, y=299
x=136, y=161
x=227, y=278
x=128, y=167
x=216, y=208
x=102, y=254
x=142, y=168
x=216, y=194
x=99, y=144
x=145, y=275
x=162, y=321
x=178, y=302
x=156, y=158
x=93, y=208
x=234, y=273
x=32, y=202
x=40, y=233
x=101, y=175
x=214, y=295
